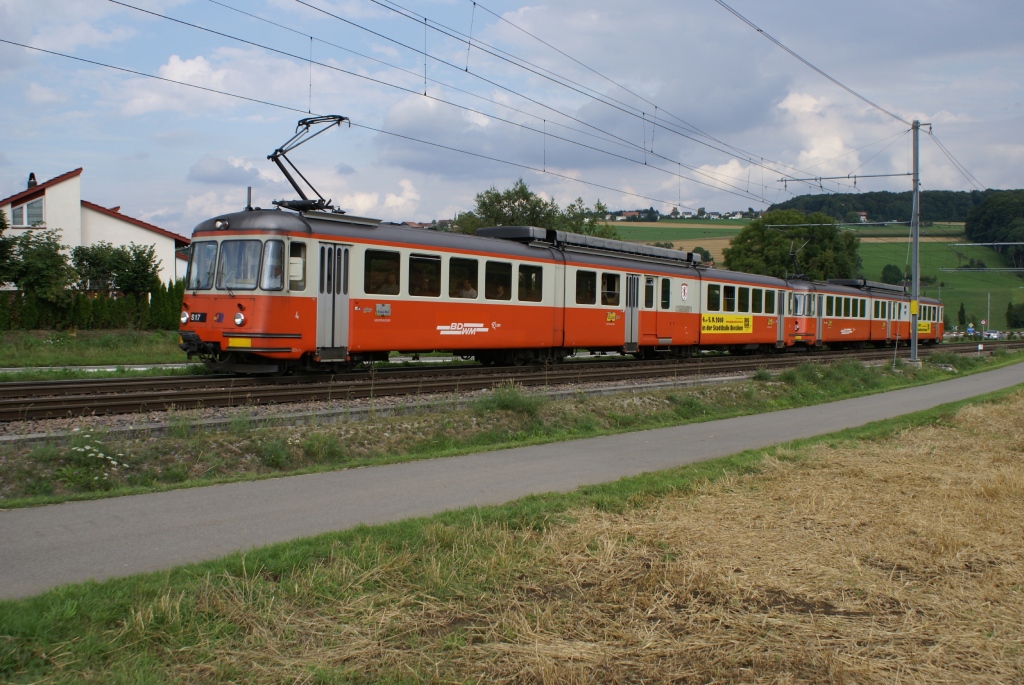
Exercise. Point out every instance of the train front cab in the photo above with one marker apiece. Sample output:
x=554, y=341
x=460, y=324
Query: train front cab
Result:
x=247, y=306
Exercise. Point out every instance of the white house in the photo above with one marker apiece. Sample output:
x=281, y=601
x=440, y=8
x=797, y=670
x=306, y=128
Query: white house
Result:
x=58, y=203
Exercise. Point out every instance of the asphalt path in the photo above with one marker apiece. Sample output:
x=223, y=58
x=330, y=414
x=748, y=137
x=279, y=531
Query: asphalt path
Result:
x=48, y=546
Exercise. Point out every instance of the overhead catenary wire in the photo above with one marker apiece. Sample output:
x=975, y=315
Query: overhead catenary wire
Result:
x=740, y=193
x=842, y=85
x=457, y=35
x=352, y=123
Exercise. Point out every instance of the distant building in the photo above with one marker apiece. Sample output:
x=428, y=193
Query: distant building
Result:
x=58, y=203
x=862, y=217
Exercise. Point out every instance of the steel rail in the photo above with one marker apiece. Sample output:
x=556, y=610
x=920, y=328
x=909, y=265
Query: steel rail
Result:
x=189, y=393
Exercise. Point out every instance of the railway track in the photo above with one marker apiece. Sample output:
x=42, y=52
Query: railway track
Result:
x=61, y=399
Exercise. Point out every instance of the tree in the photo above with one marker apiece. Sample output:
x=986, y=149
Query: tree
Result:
x=999, y=218
x=701, y=213
x=7, y=248
x=961, y=315
x=520, y=206
x=41, y=266
x=817, y=249
x=674, y=213
x=136, y=269
x=892, y=274
x=95, y=265
x=576, y=218
x=705, y=255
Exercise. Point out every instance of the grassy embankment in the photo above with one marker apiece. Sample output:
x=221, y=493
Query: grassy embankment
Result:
x=95, y=464
x=79, y=348
x=885, y=553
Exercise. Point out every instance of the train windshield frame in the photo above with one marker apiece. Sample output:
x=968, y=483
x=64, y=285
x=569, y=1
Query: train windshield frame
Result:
x=202, y=263
x=238, y=265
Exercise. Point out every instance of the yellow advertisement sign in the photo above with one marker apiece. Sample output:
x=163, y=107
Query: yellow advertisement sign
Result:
x=726, y=323
x=924, y=326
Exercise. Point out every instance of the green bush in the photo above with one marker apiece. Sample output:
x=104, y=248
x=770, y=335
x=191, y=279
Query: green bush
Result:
x=274, y=453
x=510, y=397
x=323, y=448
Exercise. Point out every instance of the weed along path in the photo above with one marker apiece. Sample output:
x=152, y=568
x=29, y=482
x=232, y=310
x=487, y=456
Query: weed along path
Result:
x=48, y=546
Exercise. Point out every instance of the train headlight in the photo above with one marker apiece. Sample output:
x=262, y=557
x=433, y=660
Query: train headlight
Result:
x=239, y=319
x=184, y=318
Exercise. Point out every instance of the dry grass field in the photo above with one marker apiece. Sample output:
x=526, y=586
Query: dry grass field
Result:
x=895, y=560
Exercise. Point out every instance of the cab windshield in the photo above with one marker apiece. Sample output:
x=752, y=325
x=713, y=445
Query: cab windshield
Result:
x=201, y=265
x=238, y=267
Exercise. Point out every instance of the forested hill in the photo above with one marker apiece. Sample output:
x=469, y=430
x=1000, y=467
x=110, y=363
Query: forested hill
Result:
x=936, y=205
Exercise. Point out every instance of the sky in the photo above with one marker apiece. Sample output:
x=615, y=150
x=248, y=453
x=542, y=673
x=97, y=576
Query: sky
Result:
x=656, y=103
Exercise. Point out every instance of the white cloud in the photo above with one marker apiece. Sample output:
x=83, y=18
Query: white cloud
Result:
x=406, y=203
x=41, y=95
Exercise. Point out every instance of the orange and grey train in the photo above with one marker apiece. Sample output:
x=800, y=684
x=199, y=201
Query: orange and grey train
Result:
x=272, y=291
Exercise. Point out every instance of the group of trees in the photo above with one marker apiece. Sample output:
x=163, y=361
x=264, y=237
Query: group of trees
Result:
x=936, y=205
x=95, y=286
x=1000, y=219
x=783, y=243
x=520, y=206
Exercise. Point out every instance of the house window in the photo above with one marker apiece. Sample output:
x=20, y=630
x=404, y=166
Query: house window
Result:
x=28, y=214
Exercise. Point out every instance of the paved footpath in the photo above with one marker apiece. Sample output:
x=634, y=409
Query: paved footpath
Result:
x=48, y=546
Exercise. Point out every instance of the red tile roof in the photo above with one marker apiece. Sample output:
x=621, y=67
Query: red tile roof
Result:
x=37, y=191
x=136, y=222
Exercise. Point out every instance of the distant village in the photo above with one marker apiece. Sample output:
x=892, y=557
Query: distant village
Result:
x=646, y=215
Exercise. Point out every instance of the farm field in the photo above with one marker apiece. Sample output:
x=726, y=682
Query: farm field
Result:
x=970, y=287
x=878, y=554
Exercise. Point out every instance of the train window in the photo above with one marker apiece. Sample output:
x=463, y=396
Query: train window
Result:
x=666, y=293
x=610, y=289
x=714, y=297
x=531, y=284
x=272, y=273
x=201, y=265
x=846, y=307
x=344, y=272
x=498, y=281
x=769, y=301
x=340, y=274
x=863, y=308
x=297, y=266
x=586, y=287
x=382, y=272
x=729, y=292
x=239, y=264
x=649, y=292
x=828, y=305
x=744, y=303
x=463, y=275
x=424, y=275
x=756, y=299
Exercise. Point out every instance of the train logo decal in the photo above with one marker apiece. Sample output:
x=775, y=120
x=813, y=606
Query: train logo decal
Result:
x=726, y=323
x=682, y=291
x=846, y=331
x=462, y=329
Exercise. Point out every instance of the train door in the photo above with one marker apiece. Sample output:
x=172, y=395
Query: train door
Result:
x=818, y=313
x=887, y=312
x=632, y=312
x=780, y=324
x=332, y=301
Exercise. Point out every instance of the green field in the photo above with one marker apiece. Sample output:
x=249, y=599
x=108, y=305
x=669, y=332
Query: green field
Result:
x=643, y=233
x=971, y=288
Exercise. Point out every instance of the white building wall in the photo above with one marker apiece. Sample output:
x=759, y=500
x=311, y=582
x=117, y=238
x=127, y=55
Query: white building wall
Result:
x=97, y=226
x=60, y=210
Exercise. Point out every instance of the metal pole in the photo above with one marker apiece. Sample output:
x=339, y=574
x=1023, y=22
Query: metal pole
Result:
x=915, y=267
x=988, y=316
